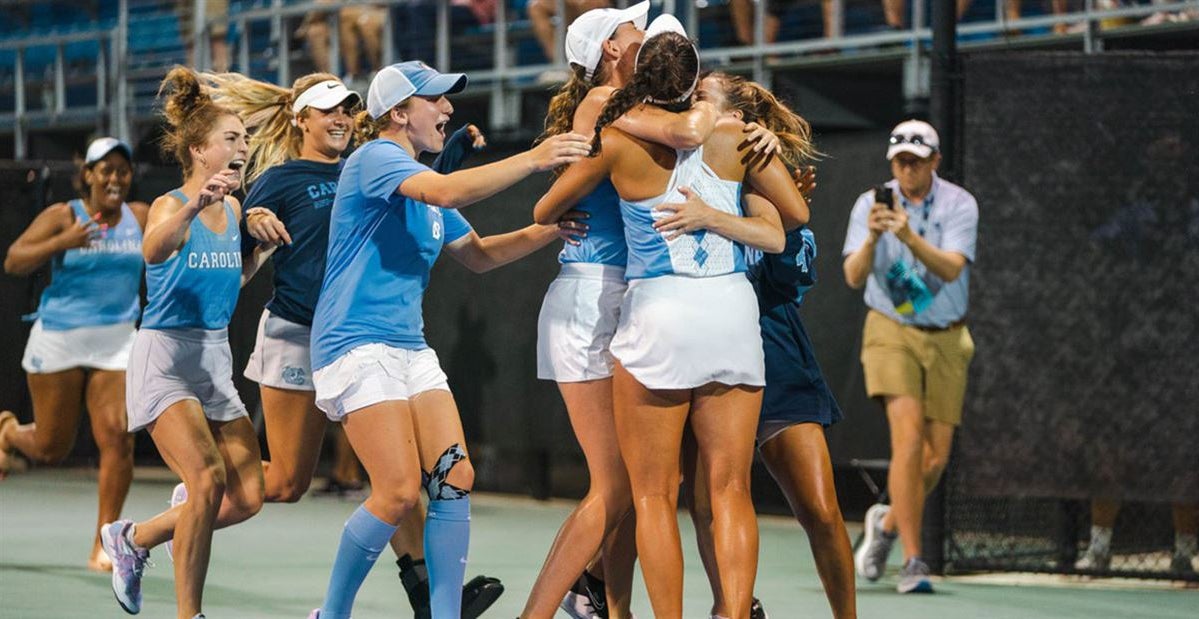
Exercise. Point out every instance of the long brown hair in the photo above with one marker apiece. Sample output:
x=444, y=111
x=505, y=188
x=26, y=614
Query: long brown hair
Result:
x=190, y=113
x=266, y=110
x=561, y=116
x=759, y=105
x=667, y=67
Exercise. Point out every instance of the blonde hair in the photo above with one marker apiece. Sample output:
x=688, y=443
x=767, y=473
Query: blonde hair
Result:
x=367, y=128
x=759, y=105
x=266, y=110
x=190, y=112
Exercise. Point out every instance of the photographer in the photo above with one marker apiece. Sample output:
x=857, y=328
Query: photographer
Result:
x=910, y=242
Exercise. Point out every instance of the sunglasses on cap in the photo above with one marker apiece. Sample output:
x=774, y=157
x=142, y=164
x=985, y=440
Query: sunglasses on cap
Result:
x=914, y=139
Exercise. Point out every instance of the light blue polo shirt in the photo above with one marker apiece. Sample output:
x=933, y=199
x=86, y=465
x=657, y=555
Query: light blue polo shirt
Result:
x=948, y=219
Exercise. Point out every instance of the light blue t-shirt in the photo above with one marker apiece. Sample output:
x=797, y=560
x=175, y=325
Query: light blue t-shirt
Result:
x=604, y=243
x=948, y=219
x=98, y=284
x=698, y=254
x=198, y=286
x=382, y=247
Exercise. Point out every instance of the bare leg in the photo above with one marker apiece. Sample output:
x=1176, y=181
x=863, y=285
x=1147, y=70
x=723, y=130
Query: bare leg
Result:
x=697, y=497
x=347, y=470
x=799, y=461
x=893, y=12
x=725, y=420
x=347, y=27
x=316, y=32
x=106, y=407
x=219, y=465
x=905, y=479
x=620, y=553
x=57, y=406
x=742, y=14
x=541, y=15
x=589, y=405
x=649, y=425
x=294, y=431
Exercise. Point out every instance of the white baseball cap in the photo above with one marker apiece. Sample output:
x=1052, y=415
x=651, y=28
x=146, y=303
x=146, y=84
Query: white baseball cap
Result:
x=324, y=96
x=586, y=35
x=397, y=82
x=100, y=147
x=913, y=136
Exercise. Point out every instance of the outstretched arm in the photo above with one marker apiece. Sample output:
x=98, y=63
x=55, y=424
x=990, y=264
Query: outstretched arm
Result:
x=466, y=187
x=482, y=254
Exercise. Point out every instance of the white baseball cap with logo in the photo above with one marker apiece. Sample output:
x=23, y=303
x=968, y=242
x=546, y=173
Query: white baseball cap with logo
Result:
x=395, y=83
x=586, y=35
x=100, y=147
x=913, y=136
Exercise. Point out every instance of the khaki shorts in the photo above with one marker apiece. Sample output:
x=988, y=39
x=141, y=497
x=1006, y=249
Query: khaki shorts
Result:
x=927, y=365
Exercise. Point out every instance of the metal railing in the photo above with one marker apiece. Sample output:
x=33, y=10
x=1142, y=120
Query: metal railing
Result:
x=493, y=51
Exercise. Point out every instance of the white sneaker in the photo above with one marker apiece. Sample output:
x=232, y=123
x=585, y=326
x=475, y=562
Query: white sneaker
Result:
x=870, y=560
x=1094, y=560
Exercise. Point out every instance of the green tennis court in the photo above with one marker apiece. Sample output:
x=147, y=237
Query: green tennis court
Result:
x=276, y=565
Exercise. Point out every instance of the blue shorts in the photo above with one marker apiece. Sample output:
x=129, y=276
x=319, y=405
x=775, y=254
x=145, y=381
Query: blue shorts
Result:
x=795, y=388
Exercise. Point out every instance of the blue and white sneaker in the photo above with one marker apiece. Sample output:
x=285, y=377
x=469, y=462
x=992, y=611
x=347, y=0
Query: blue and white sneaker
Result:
x=315, y=614
x=870, y=560
x=913, y=577
x=127, y=564
x=178, y=496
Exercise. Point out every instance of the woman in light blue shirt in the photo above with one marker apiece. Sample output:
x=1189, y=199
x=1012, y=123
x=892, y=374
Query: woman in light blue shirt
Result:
x=372, y=368
x=688, y=346
x=180, y=380
x=79, y=346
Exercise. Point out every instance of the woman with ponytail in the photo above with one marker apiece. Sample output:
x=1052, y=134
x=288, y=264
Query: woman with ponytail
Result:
x=179, y=385
x=687, y=346
x=372, y=369
x=797, y=403
x=299, y=135
x=581, y=309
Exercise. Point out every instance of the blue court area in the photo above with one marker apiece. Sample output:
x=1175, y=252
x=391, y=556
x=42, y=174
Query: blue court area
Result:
x=276, y=565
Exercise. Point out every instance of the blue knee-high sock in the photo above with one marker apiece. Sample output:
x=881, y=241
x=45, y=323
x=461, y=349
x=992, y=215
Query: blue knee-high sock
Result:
x=362, y=539
x=447, y=538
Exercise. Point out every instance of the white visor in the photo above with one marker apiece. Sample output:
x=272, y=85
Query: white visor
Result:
x=324, y=96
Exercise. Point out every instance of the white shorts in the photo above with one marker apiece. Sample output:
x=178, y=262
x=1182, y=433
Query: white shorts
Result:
x=577, y=321
x=282, y=354
x=105, y=347
x=171, y=365
x=375, y=373
x=679, y=332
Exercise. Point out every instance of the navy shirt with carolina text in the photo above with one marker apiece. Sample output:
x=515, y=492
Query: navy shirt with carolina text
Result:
x=300, y=193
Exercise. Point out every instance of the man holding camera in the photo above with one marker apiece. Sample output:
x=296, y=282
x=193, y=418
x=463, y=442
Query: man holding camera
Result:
x=911, y=242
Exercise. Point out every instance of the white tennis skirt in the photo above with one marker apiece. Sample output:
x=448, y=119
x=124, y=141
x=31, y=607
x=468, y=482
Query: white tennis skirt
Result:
x=577, y=321
x=171, y=365
x=105, y=347
x=680, y=332
x=282, y=354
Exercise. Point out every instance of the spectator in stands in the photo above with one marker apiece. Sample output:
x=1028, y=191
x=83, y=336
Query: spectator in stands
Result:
x=742, y=12
x=216, y=12
x=359, y=28
x=542, y=13
x=894, y=11
x=910, y=243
